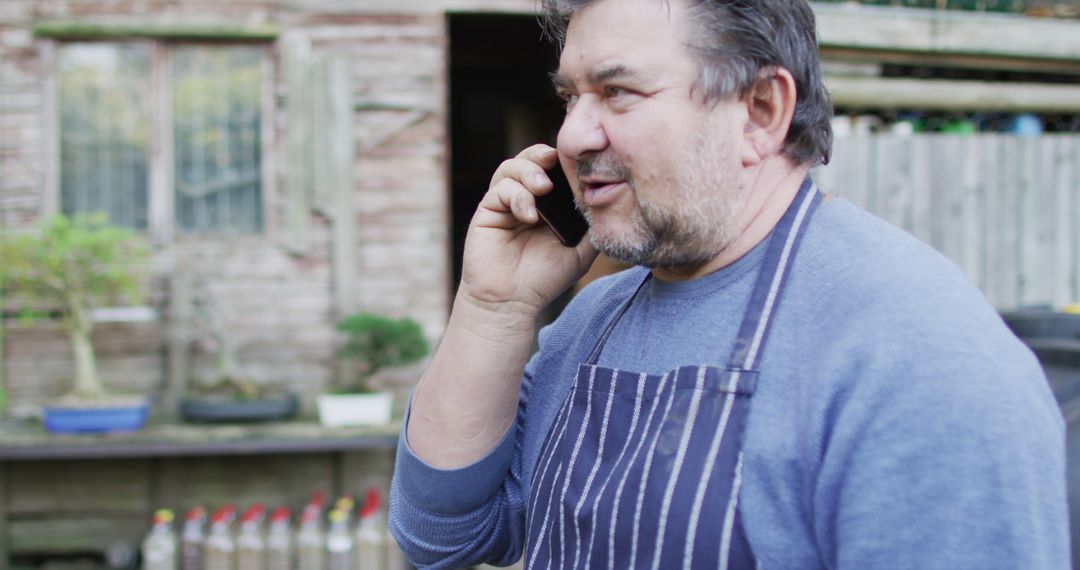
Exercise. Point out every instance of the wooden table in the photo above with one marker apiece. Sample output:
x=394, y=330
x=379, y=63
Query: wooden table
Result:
x=70, y=494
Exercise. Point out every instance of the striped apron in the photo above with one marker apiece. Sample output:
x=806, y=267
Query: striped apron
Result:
x=644, y=471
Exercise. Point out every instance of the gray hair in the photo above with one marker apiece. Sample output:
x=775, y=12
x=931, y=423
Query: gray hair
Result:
x=734, y=42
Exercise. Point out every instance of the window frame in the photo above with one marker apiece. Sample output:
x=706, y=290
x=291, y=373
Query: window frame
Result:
x=161, y=187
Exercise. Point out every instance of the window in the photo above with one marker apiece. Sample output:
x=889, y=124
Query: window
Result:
x=117, y=99
x=217, y=103
x=105, y=130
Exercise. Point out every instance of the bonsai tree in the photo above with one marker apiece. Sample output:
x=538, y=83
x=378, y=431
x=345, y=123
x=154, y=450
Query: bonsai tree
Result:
x=229, y=379
x=72, y=266
x=377, y=342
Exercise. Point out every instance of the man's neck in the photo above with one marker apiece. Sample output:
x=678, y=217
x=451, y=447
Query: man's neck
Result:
x=771, y=192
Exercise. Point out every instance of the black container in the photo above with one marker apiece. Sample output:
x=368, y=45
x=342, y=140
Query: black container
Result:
x=1055, y=340
x=226, y=410
x=1043, y=323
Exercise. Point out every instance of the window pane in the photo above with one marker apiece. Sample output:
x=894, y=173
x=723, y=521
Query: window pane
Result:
x=217, y=113
x=104, y=130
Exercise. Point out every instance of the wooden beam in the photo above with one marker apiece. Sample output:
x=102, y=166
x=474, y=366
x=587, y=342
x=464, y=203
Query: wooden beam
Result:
x=941, y=94
x=945, y=32
x=28, y=441
x=162, y=160
x=885, y=28
x=523, y=7
x=50, y=127
x=342, y=153
x=955, y=61
x=295, y=235
x=67, y=29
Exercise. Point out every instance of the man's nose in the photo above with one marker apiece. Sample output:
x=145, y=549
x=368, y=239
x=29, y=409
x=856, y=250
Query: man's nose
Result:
x=582, y=131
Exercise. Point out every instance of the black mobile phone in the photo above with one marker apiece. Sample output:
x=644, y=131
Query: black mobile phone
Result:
x=557, y=210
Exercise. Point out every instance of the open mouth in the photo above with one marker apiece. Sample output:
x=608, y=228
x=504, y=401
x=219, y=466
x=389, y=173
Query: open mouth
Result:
x=600, y=192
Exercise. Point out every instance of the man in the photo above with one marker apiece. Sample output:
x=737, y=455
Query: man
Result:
x=783, y=381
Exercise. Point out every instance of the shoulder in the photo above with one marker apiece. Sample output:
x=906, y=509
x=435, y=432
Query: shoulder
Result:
x=859, y=271
x=889, y=317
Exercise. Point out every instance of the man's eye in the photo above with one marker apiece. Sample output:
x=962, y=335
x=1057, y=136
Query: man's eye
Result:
x=613, y=91
x=568, y=99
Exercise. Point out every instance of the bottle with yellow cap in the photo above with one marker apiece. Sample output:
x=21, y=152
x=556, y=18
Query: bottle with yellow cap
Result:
x=339, y=541
x=160, y=545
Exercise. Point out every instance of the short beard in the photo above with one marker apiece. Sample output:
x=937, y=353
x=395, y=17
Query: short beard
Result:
x=700, y=225
x=686, y=237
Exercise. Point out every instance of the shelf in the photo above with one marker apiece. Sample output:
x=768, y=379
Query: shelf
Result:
x=24, y=441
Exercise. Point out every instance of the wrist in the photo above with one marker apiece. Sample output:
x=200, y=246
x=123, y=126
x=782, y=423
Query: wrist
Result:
x=494, y=321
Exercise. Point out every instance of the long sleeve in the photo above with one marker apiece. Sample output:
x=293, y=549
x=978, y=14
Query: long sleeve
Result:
x=460, y=517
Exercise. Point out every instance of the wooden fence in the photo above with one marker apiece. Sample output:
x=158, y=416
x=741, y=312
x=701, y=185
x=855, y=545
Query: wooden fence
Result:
x=1005, y=208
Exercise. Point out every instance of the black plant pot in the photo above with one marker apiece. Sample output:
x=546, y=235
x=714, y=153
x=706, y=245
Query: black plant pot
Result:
x=224, y=410
x=1043, y=323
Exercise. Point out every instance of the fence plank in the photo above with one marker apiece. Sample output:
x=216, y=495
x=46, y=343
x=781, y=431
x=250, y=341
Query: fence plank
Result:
x=1074, y=192
x=921, y=187
x=1065, y=181
x=1005, y=209
x=970, y=224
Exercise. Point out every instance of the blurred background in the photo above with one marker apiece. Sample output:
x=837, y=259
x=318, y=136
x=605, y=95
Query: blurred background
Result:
x=288, y=164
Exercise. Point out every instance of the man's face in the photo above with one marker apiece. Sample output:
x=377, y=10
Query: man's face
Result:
x=654, y=167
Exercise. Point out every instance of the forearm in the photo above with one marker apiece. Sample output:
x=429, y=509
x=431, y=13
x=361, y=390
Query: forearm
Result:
x=467, y=399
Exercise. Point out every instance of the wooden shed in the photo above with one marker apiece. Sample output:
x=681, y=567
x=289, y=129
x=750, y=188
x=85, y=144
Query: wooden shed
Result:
x=307, y=159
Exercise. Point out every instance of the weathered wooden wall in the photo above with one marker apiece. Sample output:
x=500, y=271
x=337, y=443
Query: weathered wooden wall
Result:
x=1005, y=208
x=283, y=294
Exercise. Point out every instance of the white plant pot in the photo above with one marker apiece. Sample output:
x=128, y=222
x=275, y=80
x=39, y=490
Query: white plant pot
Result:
x=355, y=409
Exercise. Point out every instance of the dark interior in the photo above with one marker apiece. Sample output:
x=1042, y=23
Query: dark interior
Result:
x=501, y=101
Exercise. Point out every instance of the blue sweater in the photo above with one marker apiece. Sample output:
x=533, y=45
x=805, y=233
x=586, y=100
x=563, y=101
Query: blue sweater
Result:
x=897, y=423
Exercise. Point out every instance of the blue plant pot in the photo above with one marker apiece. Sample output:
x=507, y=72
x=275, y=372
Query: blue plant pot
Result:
x=61, y=419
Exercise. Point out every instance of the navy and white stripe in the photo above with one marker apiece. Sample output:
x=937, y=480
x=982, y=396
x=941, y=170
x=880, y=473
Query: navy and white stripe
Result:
x=645, y=470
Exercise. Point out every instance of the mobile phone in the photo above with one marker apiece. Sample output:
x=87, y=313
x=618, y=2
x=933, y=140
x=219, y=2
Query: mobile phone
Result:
x=557, y=210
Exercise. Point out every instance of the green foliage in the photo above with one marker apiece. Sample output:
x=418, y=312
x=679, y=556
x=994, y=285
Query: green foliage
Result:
x=380, y=342
x=73, y=265
x=78, y=29
x=104, y=96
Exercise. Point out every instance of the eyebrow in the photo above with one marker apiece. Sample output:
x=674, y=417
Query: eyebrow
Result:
x=600, y=75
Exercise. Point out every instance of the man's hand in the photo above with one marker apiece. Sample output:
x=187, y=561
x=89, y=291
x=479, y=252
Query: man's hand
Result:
x=514, y=266
x=512, y=262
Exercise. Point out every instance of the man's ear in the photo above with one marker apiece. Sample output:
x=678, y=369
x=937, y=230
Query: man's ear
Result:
x=770, y=104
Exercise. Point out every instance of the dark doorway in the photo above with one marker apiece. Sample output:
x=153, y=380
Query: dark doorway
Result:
x=501, y=101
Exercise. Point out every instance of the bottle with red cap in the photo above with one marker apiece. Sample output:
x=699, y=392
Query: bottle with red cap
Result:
x=310, y=540
x=192, y=539
x=279, y=543
x=159, y=547
x=250, y=545
x=317, y=500
x=220, y=545
x=371, y=534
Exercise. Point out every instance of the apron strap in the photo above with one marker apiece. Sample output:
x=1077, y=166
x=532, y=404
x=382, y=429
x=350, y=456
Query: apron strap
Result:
x=594, y=356
x=758, y=317
x=773, y=277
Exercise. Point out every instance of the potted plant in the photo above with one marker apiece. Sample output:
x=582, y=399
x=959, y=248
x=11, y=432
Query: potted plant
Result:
x=373, y=344
x=231, y=395
x=72, y=266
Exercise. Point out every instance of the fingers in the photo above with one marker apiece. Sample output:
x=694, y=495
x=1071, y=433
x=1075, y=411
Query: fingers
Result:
x=514, y=185
x=529, y=168
x=509, y=194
